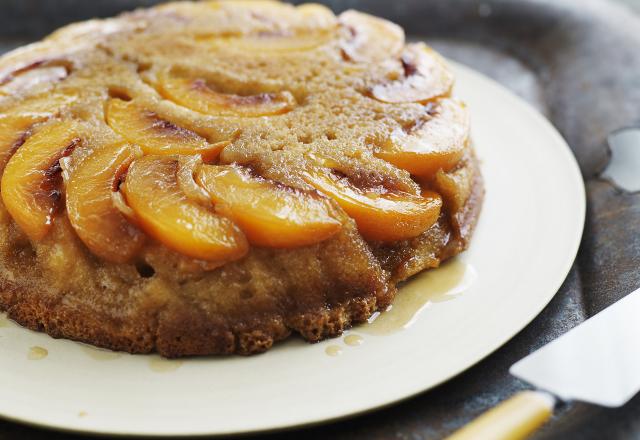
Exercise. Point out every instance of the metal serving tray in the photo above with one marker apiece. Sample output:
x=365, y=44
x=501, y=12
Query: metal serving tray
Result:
x=578, y=62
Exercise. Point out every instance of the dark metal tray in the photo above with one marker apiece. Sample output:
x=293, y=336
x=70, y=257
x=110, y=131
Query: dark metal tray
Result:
x=578, y=62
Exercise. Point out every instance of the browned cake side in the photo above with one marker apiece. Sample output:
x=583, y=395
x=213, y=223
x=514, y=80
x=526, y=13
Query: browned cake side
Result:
x=207, y=178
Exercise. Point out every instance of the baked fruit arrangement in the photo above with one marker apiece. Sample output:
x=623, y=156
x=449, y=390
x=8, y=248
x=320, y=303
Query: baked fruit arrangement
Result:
x=208, y=178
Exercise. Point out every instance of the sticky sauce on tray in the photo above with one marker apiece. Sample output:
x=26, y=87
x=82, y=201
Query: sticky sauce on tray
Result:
x=4, y=321
x=353, y=340
x=37, y=353
x=431, y=286
x=333, y=350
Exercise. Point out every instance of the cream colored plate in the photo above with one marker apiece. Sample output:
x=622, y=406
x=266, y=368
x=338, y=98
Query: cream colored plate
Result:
x=443, y=322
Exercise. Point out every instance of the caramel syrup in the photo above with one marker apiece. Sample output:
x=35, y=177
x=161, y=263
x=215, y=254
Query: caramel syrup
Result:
x=37, y=353
x=431, y=286
x=333, y=350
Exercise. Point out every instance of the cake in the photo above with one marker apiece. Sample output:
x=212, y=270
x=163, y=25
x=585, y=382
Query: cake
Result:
x=213, y=177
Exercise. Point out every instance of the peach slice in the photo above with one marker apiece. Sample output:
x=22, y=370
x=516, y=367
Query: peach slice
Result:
x=371, y=38
x=280, y=26
x=156, y=135
x=426, y=77
x=42, y=105
x=275, y=42
x=380, y=215
x=455, y=187
x=33, y=73
x=34, y=78
x=163, y=211
x=196, y=94
x=315, y=16
x=278, y=13
x=312, y=14
x=270, y=214
x=438, y=143
x=188, y=165
x=31, y=180
x=14, y=130
x=19, y=121
x=90, y=209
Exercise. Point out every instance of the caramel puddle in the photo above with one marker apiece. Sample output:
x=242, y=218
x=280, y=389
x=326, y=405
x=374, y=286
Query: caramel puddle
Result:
x=37, y=353
x=432, y=286
x=353, y=340
x=333, y=350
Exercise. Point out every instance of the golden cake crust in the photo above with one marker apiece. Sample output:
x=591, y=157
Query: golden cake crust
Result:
x=291, y=93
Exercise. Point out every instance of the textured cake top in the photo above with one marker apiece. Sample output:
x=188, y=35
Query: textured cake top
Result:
x=214, y=126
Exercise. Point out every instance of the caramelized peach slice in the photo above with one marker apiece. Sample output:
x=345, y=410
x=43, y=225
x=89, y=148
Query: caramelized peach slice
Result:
x=17, y=124
x=43, y=105
x=315, y=16
x=253, y=5
x=31, y=180
x=275, y=42
x=435, y=144
x=270, y=214
x=34, y=78
x=309, y=15
x=282, y=27
x=34, y=73
x=14, y=130
x=156, y=135
x=98, y=223
x=371, y=38
x=305, y=16
x=166, y=214
x=197, y=95
x=455, y=187
x=426, y=77
x=380, y=215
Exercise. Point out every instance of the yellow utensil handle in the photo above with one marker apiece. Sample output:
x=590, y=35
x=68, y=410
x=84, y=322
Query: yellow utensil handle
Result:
x=514, y=419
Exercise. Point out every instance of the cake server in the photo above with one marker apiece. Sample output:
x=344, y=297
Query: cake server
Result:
x=596, y=362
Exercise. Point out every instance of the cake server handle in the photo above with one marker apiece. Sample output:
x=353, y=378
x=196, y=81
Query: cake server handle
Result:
x=514, y=419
